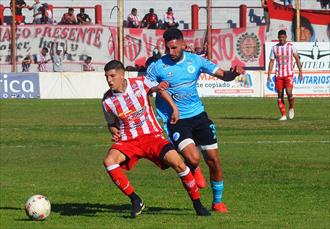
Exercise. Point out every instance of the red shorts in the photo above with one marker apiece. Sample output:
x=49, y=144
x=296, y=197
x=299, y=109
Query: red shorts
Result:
x=284, y=82
x=152, y=147
x=19, y=19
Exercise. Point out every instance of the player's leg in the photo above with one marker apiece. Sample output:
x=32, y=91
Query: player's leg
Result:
x=172, y=159
x=205, y=135
x=112, y=163
x=182, y=138
x=288, y=89
x=279, y=84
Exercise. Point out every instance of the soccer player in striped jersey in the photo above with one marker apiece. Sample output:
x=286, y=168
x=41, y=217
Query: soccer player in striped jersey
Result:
x=137, y=134
x=284, y=53
x=194, y=129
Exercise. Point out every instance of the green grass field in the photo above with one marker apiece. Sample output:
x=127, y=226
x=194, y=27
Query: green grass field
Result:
x=277, y=174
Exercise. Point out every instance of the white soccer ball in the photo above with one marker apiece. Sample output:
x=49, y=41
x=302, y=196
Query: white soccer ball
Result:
x=37, y=207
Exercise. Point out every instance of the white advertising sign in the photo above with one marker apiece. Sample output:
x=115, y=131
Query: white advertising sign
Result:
x=248, y=84
x=313, y=84
x=314, y=56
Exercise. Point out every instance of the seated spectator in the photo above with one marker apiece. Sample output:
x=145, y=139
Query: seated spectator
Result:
x=87, y=65
x=69, y=18
x=169, y=19
x=26, y=63
x=150, y=20
x=199, y=51
x=133, y=20
x=46, y=14
x=20, y=4
x=83, y=18
x=37, y=14
x=155, y=56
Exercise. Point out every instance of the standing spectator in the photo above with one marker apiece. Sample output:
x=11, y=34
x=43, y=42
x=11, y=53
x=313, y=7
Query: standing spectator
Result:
x=325, y=4
x=169, y=19
x=266, y=13
x=133, y=20
x=83, y=18
x=155, y=56
x=150, y=20
x=20, y=4
x=37, y=14
x=58, y=57
x=87, y=65
x=46, y=14
x=42, y=60
x=288, y=3
x=68, y=18
x=26, y=63
x=284, y=53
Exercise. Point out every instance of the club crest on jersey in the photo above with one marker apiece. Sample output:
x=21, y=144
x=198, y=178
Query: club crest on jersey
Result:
x=191, y=69
x=176, y=136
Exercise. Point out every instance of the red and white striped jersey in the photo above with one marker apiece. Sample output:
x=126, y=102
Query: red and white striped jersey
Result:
x=41, y=63
x=284, y=59
x=131, y=110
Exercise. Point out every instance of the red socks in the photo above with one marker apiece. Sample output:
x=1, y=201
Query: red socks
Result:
x=291, y=102
x=120, y=179
x=281, y=106
x=189, y=184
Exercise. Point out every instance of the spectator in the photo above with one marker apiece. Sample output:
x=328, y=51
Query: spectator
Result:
x=155, y=56
x=41, y=60
x=20, y=4
x=169, y=19
x=69, y=18
x=199, y=51
x=288, y=3
x=46, y=14
x=133, y=20
x=26, y=63
x=37, y=14
x=58, y=57
x=150, y=20
x=325, y=4
x=87, y=65
x=83, y=18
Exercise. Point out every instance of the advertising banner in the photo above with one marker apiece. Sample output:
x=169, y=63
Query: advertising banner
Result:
x=248, y=85
x=19, y=85
x=314, y=56
x=230, y=47
x=314, y=23
x=313, y=84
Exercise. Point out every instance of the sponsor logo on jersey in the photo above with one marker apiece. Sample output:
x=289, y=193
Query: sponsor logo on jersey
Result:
x=170, y=74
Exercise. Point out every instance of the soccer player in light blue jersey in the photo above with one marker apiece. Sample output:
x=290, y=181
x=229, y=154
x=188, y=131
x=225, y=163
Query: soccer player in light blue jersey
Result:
x=181, y=71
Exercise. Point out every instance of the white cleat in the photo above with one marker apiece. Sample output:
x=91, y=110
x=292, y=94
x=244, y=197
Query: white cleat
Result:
x=283, y=118
x=291, y=113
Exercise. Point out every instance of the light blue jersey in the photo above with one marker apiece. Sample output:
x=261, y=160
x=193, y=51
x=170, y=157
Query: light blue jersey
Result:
x=182, y=77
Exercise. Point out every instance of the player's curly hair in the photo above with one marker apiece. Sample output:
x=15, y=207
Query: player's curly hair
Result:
x=114, y=64
x=172, y=34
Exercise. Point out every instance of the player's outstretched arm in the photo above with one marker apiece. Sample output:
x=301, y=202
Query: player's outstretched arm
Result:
x=270, y=69
x=229, y=75
x=175, y=111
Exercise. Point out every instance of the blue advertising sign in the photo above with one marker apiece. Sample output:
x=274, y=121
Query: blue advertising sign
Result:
x=19, y=85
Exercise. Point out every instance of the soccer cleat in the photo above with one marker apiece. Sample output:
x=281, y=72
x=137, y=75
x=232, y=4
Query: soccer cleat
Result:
x=200, y=209
x=283, y=118
x=219, y=207
x=137, y=208
x=199, y=178
x=291, y=113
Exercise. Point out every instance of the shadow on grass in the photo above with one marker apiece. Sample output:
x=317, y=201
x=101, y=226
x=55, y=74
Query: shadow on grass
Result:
x=90, y=209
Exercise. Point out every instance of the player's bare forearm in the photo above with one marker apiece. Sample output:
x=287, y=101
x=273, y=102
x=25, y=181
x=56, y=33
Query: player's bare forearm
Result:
x=114, y=130
x=270, y=68
x=168, y=99
x=296, y=57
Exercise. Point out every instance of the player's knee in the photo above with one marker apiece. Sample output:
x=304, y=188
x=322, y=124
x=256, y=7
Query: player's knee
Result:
x=214, y=163
x=180, y=167
x=193, y=159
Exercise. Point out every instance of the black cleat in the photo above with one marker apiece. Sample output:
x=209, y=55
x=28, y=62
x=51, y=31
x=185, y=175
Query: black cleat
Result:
x=200, y=209
x=137, y=207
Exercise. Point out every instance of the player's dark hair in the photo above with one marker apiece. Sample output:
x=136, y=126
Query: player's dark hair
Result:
x=281, y=32
x=172, y=34
x=114, y=64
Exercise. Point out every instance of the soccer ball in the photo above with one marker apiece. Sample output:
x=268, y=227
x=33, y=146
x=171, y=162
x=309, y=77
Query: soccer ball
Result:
x=37, y=207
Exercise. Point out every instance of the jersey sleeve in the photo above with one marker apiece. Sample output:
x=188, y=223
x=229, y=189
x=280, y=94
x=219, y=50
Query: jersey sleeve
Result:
x=108, y=115
x=272, y=54
x=207, y=66
x=152, y=73
x=148, y=84
x=294, y=50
